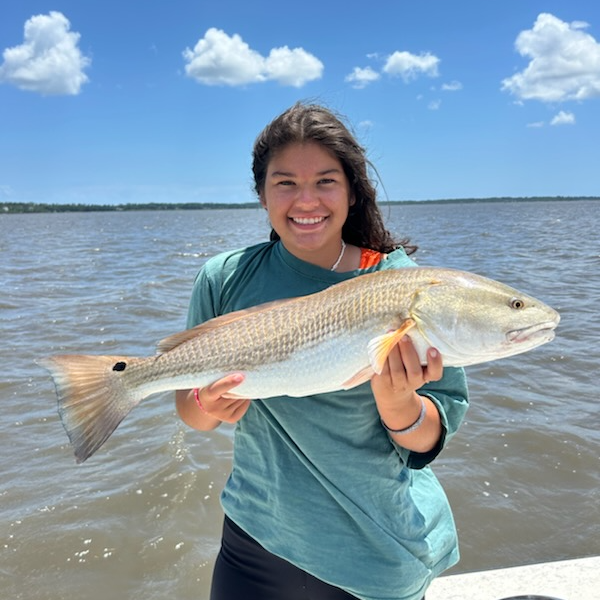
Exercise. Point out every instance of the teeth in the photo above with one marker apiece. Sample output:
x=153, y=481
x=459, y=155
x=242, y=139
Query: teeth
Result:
x=308, y=221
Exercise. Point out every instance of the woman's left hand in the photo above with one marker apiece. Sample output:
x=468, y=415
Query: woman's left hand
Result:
x=395, y=389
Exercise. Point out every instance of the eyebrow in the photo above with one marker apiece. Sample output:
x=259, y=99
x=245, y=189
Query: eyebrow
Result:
x=290, y=174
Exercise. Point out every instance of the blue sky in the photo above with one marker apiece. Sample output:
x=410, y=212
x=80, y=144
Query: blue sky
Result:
x=160, y=101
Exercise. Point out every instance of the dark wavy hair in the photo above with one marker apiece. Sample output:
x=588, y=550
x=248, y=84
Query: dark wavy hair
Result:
x=364, y=226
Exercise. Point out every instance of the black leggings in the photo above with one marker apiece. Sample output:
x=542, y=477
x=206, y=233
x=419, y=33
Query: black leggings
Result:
x=244, y=569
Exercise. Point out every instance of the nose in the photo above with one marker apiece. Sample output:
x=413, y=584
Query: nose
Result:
x=307, y=196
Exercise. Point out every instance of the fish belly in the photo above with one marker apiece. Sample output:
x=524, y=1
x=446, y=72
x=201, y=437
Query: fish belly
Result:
x=323, y=368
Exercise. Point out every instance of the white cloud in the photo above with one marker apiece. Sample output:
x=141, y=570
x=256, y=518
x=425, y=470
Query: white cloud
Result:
x=409, y=66
x=220, y=59
x=536, y=124
x=580, y=25
x=360, y=78
x=292, y=67
x=399, y=64
x=48, y=61
x=564, y=65
x=453, y=86
x=366, y=125
x=563, y=118
x=434, y=105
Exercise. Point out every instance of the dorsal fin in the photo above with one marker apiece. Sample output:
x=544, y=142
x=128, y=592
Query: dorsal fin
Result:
x=171, y=342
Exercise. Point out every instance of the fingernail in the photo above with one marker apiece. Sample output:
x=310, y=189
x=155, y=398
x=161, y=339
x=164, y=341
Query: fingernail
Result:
x=433, y=353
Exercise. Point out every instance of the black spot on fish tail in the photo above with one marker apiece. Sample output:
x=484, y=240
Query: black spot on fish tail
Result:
x=120, y=366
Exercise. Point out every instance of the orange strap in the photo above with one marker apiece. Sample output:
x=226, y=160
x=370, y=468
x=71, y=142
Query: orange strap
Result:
x=369, y=258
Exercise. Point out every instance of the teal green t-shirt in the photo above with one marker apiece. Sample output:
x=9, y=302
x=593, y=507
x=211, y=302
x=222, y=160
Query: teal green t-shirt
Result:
x=317, y=480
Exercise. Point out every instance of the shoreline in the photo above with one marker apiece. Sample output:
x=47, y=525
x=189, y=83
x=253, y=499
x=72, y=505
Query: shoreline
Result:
x=41, y=207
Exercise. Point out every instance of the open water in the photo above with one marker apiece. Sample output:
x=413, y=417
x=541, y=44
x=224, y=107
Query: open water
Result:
x=141, y=519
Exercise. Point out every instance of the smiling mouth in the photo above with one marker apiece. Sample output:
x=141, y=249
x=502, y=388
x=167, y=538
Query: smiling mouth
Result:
x=307, y=220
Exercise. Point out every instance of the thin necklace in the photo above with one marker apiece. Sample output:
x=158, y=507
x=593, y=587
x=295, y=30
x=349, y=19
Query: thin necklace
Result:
x=339, y=260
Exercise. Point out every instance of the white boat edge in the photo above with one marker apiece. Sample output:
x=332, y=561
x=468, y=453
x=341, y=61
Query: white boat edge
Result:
x=575, y=579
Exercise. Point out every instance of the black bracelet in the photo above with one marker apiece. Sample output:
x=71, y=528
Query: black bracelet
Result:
x=412, y=427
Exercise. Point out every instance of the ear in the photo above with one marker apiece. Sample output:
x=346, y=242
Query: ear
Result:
x=351, y=200
x=262, y=199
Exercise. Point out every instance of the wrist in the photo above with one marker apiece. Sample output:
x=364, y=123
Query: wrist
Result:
x=190, y=413
x=209, y=421
x=198, y=401
x=407, y=422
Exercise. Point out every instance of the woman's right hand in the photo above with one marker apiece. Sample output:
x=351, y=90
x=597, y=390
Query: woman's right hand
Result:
x=216, y=404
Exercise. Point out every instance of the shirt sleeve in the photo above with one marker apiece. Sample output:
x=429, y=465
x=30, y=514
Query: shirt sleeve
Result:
x=451, y=397
x=206, y=297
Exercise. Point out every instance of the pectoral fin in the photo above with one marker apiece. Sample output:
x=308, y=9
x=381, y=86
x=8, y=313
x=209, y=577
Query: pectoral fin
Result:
x=380, y=347
x=358, y=378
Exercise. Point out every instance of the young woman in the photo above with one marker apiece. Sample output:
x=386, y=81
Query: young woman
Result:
x=330, y=496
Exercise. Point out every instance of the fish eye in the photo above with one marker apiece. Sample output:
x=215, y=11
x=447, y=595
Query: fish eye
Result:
x=517, y=303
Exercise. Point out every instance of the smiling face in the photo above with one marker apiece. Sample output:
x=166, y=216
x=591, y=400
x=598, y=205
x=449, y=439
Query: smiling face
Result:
x=307, y=196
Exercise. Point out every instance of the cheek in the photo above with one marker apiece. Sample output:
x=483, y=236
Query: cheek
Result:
x=346, y=211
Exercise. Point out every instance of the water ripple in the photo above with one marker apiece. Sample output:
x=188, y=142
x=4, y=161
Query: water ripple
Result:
x=141, y=519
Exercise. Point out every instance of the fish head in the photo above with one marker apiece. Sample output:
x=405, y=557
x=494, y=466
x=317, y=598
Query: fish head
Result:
x=472, y=319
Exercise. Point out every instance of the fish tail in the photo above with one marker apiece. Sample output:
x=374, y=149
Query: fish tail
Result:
x=93, y=398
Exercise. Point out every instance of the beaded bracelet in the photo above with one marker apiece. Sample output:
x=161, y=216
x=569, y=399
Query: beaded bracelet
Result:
x=412, y=427
x=198, y=402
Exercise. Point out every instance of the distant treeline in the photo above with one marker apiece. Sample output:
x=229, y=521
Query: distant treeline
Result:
x=34, y=207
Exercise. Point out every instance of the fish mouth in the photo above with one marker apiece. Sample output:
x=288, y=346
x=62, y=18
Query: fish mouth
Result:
x=540, y=333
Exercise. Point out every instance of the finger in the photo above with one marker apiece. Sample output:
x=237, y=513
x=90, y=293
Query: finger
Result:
x=393, y=375
x=393, y=366
x=411, y=360
x=234, y=396
x=227, y=409
x=435, y=365
x=219, y=388
x=233, y=412
x=240, y=409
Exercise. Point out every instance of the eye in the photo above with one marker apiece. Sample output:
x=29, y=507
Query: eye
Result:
x=517, y=303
